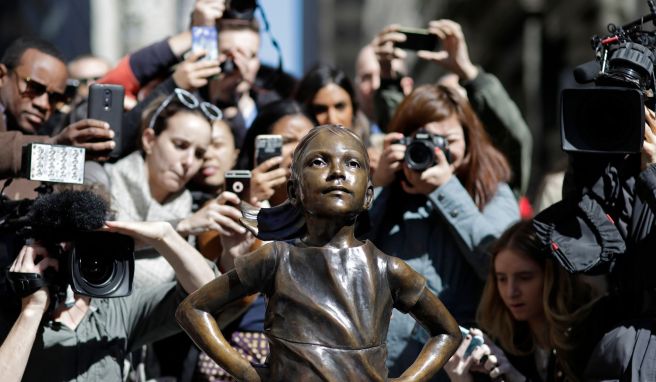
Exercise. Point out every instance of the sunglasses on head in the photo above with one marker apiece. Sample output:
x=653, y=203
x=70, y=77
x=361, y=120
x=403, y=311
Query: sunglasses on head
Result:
x=211, y=112
x=34, y=89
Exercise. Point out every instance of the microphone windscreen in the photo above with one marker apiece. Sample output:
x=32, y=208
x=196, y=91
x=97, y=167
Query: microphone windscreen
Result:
x=59, y=216
x=587, y=72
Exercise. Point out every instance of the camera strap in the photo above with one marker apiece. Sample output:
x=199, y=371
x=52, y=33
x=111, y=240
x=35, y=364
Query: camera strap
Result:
x=24, y=284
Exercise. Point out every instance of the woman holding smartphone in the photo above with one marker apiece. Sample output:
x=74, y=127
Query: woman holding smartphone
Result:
x=529, y=312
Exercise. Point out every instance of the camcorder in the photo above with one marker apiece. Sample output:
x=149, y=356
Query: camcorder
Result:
x=420, y=149
x=609, y=117
x=94, y=263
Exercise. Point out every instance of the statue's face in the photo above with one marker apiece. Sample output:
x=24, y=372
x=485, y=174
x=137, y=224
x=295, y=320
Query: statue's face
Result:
x=333, y=180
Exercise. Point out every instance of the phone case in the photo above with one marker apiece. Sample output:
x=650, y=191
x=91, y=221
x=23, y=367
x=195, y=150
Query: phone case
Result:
x=239, y=182
x=418, y=39
x=267, y=146
x=106, y=104
x=205, y=38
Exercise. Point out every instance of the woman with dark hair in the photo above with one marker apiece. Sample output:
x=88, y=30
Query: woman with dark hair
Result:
x=529, y=307
x=269, y=178
x=439, y=217
x=329, y=98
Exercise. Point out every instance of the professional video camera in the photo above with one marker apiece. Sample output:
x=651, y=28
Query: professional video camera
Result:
x=93, y=263
x=610, y=117
x=420, y=149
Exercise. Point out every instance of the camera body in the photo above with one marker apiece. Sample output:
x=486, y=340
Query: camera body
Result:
x=240, y=9
x=609, y=117
x=420, y=149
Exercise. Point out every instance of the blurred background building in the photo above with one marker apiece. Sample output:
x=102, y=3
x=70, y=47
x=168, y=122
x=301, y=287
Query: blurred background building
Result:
x=531, y=45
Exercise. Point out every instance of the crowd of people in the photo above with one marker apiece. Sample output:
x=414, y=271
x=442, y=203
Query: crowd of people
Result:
x=446, y=169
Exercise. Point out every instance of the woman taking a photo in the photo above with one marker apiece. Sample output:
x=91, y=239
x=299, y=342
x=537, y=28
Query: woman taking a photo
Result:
x=439, y=217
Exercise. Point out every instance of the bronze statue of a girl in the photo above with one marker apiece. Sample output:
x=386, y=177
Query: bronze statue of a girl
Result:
x=330, y=296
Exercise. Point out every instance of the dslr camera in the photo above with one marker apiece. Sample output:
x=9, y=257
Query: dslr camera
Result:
x=420, y=149
x=609, y=116
x=240, y=9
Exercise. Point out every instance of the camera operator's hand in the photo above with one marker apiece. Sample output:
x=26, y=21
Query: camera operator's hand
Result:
x=386, y=51
x=390, y=161
x=145, y=234
x=93, y=135
x=193, y=73
x=649, y=145
x=219, y=214
x=34, y=258
x=455, y=55
x=265, y=179
x=428, y=180
x=206, y=12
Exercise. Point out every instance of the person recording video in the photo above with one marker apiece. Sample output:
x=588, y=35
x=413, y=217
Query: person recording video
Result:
x=90, y=338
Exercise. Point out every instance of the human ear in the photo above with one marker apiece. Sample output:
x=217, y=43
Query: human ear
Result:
x=4, y=74
x=369, y=196
x=291, y=192
x=148, y=140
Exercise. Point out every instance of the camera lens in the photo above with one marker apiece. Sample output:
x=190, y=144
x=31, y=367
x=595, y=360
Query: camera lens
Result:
x=420, y=155
x=96, y=269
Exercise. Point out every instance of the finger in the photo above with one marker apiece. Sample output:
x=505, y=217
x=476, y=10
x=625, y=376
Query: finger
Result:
x=495, y=372
x=228, y=197
x=99, y=146
x=203, y=74
x=433, y=56
x=229, y=224
x=47, y=263
x=491, y=362
x=408, y=188
x=89, y=123
x=89, y=133
x=195, y=55
x=391, y=138
x=268, y=164
x=18, y=261
x=400, y=53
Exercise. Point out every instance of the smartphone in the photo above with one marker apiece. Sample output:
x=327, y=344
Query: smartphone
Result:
x=418, y=39
x=106, y=104
x=239, y=182
x=205, y=38
x=267, y=146
x=475, y=342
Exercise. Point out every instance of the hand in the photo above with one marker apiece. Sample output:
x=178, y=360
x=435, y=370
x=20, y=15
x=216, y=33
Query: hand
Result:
x=428, y=180
x=460, y=366
x=455, y=55
x=146, y=234
x=385, y=50
x=34, y=259
x=649, y=145
x=265, y=179
x=216, y=215
x=206, y=12
x=492, y=360
x=93, y=135
x=193, y=74
x=390, y=160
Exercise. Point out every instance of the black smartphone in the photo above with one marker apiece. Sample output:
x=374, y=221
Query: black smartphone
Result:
x=106, y=104
x=239, y=182
x=267, y=146
x=418, y=39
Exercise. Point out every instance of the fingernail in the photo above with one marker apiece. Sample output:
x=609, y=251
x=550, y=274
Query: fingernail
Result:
x=111, y=133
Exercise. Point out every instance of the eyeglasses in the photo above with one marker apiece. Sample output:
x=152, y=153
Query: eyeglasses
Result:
x=34, y=89
x=187, y=99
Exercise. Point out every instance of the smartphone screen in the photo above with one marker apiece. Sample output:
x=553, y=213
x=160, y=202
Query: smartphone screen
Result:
x=206, y=39
x=418, y=39
x=267, y=146
x=106, y=104
x=239, y=182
